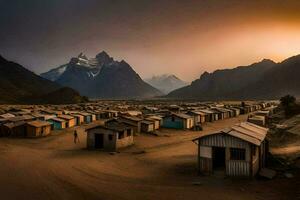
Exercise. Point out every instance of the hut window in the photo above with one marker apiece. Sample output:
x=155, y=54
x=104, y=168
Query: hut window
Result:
x=110, y=137
x=121, y=135
x=237, y=154
x=128, y=132
x=173, y=118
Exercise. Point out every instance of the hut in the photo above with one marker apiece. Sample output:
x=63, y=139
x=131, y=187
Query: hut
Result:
x=38, y=116
x=237, y=151
x=15, y=129
x=258, y=120
x=109, y=137
x=38, y=128
x=70, y=120
x=178, y=121
x=210, y=115
x=235, y=110
x=134, y=122
x=147, y=126
x=79, y=119
x=25, y=118
x=94, y=116
x=57, y=123
x=88, y=118
x=157, y=121
x=199, y=117
x=7, y=115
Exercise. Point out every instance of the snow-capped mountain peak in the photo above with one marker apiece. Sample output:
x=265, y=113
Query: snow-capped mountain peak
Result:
x=166, y=82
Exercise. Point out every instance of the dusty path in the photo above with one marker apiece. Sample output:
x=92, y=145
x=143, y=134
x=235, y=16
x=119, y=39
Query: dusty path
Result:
x=56, y=168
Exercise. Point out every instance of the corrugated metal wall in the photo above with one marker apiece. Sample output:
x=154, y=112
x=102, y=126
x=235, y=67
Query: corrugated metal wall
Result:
x=233, y=167
x=205, y=165
x=219, y=140
x=237, y=168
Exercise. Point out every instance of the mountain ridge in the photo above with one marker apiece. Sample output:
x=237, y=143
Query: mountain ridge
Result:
x=103, y=77
x=20, y=85
x=166, y=82
x=259, y=80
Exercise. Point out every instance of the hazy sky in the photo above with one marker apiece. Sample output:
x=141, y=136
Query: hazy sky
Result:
x=155, y=36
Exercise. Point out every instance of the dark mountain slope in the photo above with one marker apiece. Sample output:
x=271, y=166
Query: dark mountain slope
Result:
x=221, y=84
x=119, y=80
x=63, y=95
x=280, y=80
x=103, y=77
x=19, y=85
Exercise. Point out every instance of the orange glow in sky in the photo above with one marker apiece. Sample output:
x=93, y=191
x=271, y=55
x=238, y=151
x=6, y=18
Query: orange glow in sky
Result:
x=184, y=38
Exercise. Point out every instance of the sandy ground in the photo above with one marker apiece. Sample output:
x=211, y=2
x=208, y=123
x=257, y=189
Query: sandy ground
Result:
x=56, y=168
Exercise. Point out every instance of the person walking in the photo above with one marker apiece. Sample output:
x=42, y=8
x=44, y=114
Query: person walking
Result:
x=76, y=138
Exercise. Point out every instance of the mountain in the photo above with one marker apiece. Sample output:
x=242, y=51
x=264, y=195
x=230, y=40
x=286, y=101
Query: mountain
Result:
x=53, y=74
x=262, y=80
x=224, y=84
x=63, y=95
x=166, y=82
x=280, y=80
x=102, y=77
x=19, y=85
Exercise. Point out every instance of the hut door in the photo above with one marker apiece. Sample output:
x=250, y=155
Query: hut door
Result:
x=99, y=141
x=218, y=158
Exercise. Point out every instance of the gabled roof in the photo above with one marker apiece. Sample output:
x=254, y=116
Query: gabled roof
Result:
x=246, y=131
x=39, y=123
x=147, y=122
x=181, y=115
x=7, y=115
x=14, y=124
x=206, y=111
x=195, y=112
x=113, y=125
x=20, y=118
x=132, y=118
x=57, y=119
x=84, y=114
x=154, y=117
x=66, y=117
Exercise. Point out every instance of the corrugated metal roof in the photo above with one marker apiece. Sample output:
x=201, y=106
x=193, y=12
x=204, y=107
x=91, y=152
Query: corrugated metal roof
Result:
x=182, y=115
x=246, y=131
x=38, y=123
x=249, y=132
x=66, y=117
x=58, y=119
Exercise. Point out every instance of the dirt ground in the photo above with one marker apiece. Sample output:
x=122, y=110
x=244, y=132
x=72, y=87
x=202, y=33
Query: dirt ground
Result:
x=156, y=167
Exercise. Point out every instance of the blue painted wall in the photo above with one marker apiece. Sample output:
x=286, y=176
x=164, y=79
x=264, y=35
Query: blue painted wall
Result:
x=56, y=125
x=176, y=124
x=88, y=119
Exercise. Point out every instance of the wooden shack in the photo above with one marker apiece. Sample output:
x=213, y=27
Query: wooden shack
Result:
x=147, y=126
x=257, y=119
x=14, y=129
x=210, y=115
x=109, y=137
x=178, y=121
x=237, y=151
x=57, y=123
x=70, y=120
x=199, y=117
x=157, y=121
x=38, y=128
x=88, y=118
x=79, y=119
x=134, y=122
